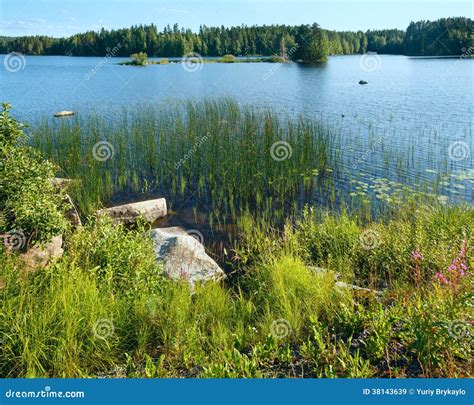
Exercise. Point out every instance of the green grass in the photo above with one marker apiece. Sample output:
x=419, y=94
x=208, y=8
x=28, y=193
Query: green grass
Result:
x=106, y=309
x=216, y=155
x=197, y=60
x=183, y=149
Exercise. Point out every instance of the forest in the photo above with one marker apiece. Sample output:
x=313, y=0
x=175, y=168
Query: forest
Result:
x=446, y=36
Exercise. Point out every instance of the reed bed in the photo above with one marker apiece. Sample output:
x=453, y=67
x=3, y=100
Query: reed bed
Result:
x=230, y=158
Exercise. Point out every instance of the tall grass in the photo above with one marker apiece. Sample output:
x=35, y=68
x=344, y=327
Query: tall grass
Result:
x=105, y=309
x=217, y=151
x=217, y=160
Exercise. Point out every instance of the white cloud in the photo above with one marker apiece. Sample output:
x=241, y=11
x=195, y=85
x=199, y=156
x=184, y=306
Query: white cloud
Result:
x=35, y=25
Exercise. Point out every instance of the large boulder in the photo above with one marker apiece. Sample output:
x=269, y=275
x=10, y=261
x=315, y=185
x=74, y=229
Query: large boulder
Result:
x=183, y=256
x=128, y=214
x=43, y=254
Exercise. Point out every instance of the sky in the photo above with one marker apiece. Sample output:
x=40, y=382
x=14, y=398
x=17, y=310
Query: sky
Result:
x=65, y=17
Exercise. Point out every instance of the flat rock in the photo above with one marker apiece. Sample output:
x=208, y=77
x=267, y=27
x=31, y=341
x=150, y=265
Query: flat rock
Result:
x=184, y=257
x=360, y=290
x=128, y=214
x=42, y=254
x=64, y=113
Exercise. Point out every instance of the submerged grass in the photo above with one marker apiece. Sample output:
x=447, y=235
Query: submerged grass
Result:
x=229, y=157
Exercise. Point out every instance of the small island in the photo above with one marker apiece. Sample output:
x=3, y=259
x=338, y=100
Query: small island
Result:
x=141, y=59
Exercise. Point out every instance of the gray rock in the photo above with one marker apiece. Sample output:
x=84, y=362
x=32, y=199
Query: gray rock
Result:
x=128, y=214
x=323, y=271
x=183, y=256
x=357, y=289
x=43, y=254
x=64, y=113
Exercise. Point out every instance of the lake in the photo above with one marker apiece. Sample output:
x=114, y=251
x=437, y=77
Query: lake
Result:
x=412, y=109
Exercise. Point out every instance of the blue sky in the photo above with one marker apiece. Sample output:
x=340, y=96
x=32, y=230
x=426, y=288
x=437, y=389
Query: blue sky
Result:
x=65, y=17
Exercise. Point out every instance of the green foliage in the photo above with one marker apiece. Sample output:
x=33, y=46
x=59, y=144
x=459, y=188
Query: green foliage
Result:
x=122, y=259
x=313, y=44
x=29, y=203
x=421, y=38
x=287, y=289
x=139, y=59
x=276, y=59
x=380, y=250
x=281, y=319
x=228, y=59
x=455, y=34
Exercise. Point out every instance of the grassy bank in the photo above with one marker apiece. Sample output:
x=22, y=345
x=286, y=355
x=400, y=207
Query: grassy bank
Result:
x=105, y=308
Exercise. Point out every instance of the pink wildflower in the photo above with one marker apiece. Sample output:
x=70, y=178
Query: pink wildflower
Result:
x=441, y=278
x=416, y=255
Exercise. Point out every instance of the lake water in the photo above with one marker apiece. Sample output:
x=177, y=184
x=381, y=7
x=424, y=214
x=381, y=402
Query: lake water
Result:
x=419, y=110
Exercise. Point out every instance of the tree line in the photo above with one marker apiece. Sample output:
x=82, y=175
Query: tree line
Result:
x=447, y=36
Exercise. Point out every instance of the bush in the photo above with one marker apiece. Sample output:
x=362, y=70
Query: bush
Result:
x=29, y=203
x=228, y=59
x=139, y=59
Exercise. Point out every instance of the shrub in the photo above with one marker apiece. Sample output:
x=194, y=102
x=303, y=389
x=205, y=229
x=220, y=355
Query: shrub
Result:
x=139, y=59
x=28, y=200
x=228, y=59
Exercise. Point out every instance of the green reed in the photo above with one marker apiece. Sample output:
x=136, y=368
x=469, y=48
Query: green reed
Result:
x=222, y=159
x=219, y=151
